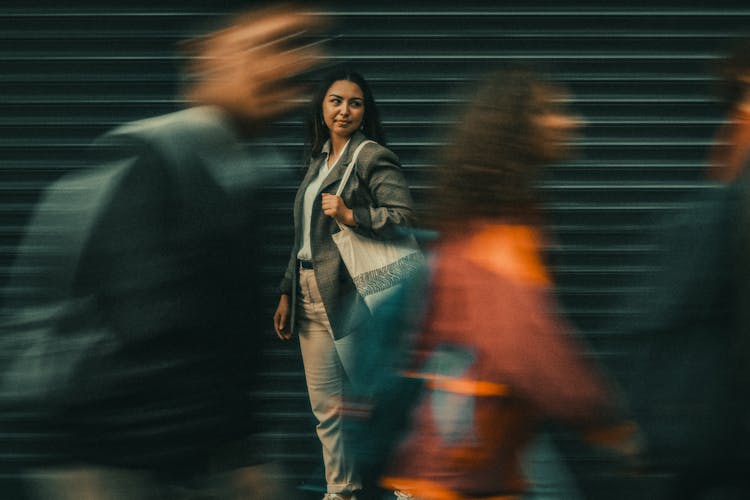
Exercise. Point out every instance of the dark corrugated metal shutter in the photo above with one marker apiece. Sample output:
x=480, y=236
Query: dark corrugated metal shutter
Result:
x=640, y=77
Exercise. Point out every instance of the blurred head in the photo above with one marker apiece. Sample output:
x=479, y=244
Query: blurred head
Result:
x=515, y=124
x=735, y=75
x=252, y=69
x=342, y=105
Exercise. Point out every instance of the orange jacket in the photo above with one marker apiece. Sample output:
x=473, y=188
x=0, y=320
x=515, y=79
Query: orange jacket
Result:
x=490, y=297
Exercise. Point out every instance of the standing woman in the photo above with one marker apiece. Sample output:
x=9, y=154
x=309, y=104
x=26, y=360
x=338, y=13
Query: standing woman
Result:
x=318, y=299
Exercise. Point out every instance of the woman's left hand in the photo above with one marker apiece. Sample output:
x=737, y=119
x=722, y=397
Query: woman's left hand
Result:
x=334, y=206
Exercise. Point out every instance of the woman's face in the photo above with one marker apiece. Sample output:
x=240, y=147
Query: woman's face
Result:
x=343, y=108
x=554, y=125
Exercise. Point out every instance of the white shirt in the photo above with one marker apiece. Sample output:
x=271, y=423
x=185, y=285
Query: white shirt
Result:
x=305, y=251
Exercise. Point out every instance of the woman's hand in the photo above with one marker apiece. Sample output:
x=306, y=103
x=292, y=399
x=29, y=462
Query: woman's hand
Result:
x=281, y=319
x=334, y=206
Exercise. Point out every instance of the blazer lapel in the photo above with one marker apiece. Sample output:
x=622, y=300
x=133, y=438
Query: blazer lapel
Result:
x=297, y=217
x=312, y=172
x=338, y=171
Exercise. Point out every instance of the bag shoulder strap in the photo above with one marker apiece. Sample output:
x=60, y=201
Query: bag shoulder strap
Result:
x=350, y=167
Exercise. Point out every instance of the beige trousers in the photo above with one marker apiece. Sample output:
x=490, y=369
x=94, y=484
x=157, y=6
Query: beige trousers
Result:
x=327, y=363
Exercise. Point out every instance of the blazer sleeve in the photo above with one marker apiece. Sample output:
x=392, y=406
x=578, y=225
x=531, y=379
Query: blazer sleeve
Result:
x=392, y=206
x=286, y=282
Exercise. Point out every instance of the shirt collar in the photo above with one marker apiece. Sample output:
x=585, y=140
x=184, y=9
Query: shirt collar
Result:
x=326, y=149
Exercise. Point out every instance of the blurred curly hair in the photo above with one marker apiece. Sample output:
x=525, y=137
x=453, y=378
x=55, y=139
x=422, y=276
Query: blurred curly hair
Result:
x=491, y=166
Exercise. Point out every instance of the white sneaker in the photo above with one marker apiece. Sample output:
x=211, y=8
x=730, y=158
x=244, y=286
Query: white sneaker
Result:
x=400, y=495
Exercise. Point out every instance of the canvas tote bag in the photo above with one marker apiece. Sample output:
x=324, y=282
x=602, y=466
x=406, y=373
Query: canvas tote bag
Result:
x=377, y=267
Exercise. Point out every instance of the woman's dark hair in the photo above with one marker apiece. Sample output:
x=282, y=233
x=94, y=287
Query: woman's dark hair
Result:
x=317, y=131
x=493, y=161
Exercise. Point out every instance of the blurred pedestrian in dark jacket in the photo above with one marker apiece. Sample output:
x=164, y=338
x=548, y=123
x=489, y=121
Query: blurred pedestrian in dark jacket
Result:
x=689, y=318
x=157, y=296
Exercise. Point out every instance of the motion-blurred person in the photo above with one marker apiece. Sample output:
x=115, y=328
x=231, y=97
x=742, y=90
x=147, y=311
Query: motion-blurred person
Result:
x=141, y=321
x=318, y=299
x=732, y=147
x=495, y=355
x=690, y=378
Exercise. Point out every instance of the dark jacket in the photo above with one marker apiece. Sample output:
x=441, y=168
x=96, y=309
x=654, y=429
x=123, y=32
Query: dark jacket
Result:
x=166, y=269
x=684, y=318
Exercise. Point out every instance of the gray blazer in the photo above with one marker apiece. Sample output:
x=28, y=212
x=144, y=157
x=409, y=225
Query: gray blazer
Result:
x=378, y=195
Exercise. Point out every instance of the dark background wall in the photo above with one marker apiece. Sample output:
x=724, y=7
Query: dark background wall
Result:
x=640, y=73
